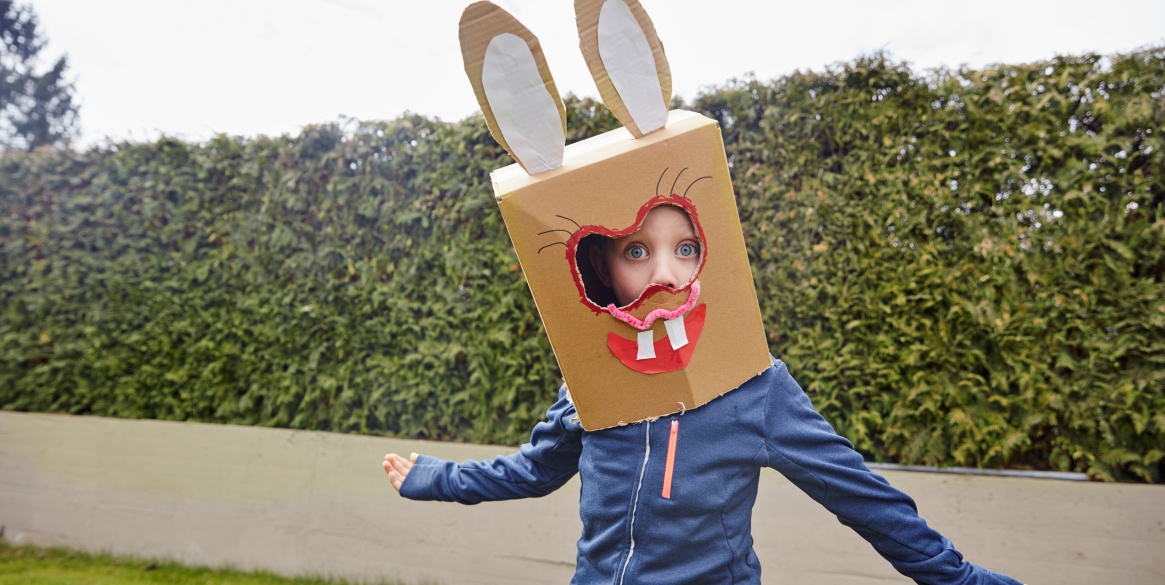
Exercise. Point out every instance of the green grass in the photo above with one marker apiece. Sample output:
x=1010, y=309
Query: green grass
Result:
x=29, y=565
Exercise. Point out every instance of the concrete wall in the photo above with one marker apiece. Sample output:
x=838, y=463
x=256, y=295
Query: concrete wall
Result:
x=310, y=502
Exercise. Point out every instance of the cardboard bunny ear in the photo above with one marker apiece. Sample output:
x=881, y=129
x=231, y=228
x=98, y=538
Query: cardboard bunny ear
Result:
x=505, y=64
x=626, y=59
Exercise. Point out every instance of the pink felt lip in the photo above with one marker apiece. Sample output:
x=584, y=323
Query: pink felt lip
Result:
x=666, y=359
x=645, y=323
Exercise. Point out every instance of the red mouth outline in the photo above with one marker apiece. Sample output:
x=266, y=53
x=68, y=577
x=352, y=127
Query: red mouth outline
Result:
x=666, y=359
x=586, y=230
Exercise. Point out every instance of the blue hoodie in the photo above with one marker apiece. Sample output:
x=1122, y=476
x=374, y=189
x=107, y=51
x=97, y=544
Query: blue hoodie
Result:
x=632, y=533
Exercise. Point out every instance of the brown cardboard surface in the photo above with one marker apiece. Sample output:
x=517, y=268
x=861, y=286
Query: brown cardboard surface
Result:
x=480, y=23
x=587, y=18
x=604, y=183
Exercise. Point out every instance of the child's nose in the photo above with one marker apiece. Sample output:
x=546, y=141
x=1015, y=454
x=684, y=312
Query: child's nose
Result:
x=668, y=274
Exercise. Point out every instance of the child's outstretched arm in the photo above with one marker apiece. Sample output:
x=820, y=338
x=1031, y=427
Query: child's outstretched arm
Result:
x=805, y=449
x=541, y=466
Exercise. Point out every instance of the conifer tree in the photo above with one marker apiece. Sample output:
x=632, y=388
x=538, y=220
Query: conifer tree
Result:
x=36, y=105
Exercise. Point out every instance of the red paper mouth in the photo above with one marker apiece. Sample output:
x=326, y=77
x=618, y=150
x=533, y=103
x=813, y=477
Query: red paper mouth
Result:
x=666, y=359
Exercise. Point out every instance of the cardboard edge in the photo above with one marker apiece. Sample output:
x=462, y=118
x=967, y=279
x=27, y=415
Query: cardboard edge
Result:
x=581, y=418
x=580, y=154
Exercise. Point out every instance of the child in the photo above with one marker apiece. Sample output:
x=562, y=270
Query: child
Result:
x=650, y=517
x=663, y=282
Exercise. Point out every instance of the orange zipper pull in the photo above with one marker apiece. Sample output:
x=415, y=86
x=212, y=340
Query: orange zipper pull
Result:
x=671, y=458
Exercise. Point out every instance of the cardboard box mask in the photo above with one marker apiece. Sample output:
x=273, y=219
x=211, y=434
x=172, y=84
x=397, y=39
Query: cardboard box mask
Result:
x=677, y=346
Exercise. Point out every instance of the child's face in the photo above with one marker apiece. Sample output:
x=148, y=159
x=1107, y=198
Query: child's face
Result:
x=665, y=251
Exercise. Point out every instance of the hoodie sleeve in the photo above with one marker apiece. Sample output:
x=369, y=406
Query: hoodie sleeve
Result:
x=540, y=466
x=805, y=449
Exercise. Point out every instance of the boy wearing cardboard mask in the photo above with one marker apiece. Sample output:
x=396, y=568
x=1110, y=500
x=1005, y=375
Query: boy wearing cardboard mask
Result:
x=674, y=404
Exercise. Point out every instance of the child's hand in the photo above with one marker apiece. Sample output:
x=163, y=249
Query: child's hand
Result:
x=397, y=468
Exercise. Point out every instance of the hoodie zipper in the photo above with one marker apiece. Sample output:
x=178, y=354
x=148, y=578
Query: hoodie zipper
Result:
x=671, y=458
x=635, y=503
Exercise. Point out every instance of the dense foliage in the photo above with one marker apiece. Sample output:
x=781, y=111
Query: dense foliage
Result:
x=962, y=268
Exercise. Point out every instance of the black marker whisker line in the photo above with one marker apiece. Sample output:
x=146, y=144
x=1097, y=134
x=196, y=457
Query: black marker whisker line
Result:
x=563, y=244
x=660, y=180
x=570, y=220
x=673, y=183
x=567, y=232
x=693, y=183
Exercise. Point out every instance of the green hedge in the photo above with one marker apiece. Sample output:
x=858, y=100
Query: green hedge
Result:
x=961, y=267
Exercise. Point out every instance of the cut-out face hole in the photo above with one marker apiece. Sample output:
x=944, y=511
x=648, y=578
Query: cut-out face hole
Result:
x=664, y=250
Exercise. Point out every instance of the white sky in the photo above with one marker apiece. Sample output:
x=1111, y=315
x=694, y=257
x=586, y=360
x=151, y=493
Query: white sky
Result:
x=194, y=68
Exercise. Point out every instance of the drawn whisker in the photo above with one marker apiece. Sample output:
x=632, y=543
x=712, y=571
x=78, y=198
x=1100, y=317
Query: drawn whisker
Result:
x=693, y=183
x=660, y=181
x=673, y=183
x=567, y=232
x=570, y=220
x=563, y=244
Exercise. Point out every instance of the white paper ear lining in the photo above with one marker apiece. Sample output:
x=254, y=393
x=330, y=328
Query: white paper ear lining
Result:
x=630, y=64
x=627, y=62
x=526, y=113
x=513, y=86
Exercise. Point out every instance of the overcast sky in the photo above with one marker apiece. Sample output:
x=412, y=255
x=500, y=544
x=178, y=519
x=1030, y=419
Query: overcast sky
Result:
x=194, y=68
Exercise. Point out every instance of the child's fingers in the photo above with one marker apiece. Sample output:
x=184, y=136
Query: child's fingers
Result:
x=394, y=466
x=405, y=465
x=393, y=462
x=396, y=480
x=397, y=468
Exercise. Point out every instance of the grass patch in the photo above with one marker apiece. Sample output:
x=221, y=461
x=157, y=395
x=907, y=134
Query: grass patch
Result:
x=30, y=565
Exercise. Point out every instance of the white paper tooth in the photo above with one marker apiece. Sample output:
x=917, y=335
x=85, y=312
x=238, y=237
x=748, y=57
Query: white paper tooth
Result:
x=676, y=332
x=646, y=346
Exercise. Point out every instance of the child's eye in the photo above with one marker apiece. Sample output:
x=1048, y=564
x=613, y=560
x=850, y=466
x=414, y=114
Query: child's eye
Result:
x=687, y=250
x=637, y=252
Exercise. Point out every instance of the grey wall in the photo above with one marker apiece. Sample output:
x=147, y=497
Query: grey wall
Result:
x=296, y=502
